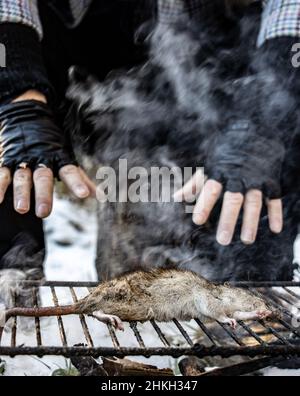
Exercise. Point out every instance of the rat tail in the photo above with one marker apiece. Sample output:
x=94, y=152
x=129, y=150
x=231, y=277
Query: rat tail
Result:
x=41, y=312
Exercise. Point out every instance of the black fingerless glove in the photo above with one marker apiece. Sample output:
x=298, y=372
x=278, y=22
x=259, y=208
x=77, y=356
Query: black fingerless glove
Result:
x=243, y=159
x=250, y=152
x=28, y=134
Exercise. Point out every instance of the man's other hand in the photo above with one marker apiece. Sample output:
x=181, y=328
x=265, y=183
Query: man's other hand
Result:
x=42, y=177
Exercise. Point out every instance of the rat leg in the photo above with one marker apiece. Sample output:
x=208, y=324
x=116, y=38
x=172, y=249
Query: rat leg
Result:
x=226, y=320
x=109, y=319
x=212, y=309
x=240, y=315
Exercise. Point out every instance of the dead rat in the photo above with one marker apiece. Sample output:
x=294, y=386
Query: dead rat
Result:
x=161, y=295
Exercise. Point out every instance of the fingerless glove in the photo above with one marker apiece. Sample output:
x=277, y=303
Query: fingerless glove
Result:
x=262, y=122
x=29, y=134
x=243, y=159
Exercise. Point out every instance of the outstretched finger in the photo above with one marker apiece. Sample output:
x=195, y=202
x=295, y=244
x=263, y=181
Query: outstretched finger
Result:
x=275, y=212
x=44, y=185
x=5, y=180
x=89, y=183
x=192, y=188
x=208, y=198
x=232, y=205
x=72, y=177
x=22, y=182
x=252, y=210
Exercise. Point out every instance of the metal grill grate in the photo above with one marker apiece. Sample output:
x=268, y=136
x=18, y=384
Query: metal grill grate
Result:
x=255, y=338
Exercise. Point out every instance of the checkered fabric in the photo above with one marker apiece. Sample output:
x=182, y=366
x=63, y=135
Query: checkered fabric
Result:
x=280, y=17
x=170, y=10
x=20, y=11
x=26, y=12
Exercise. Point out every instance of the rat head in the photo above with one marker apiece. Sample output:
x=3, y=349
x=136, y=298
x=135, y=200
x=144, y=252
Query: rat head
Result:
x=247, y=302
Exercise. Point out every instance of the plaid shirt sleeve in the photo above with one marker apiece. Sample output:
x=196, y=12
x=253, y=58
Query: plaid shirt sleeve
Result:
x=21, y=11
x=170, y=10
x=280, y=18
x=26, y=12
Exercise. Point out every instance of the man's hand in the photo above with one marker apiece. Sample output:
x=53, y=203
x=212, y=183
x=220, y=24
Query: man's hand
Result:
x=43, y=173
x=251, y=203
x=246, y=166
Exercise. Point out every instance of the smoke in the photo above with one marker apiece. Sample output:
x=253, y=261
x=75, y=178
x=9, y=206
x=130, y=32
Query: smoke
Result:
x=170, y=112
x=10, y=284
x=24, y=261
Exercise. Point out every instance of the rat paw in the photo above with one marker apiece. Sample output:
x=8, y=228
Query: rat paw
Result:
x=230, y=321
x=113, y=320
x=263, y=314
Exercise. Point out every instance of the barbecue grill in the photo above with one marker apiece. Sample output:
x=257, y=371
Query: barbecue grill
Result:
x=273, y=339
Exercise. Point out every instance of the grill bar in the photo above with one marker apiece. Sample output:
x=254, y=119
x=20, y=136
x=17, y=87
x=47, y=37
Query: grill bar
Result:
x=84, y=326
x=183, y=332
x=274, y=333
x=95, y=284
x=160, y=334
x=251, y=332
x=14, y=326
x=283, y=298
x=289, y=327
x=198, y=350
x=113, y=337
x=37, y=320
x=231, y=334
x=133, y=326
x=206, y=331
x=59, y=319
x=272, y=300
x=297, y=296
x=278, y=338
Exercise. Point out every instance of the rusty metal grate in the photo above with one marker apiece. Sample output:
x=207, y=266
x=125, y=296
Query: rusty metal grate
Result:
x=255, y=338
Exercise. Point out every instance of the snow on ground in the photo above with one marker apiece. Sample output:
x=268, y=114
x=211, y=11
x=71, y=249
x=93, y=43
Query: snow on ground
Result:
x=71, y=242
x=71, y=254
x=275, y=372
x=71, y=238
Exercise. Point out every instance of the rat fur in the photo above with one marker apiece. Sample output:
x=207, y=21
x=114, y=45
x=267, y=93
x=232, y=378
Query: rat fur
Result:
x=161, y=295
